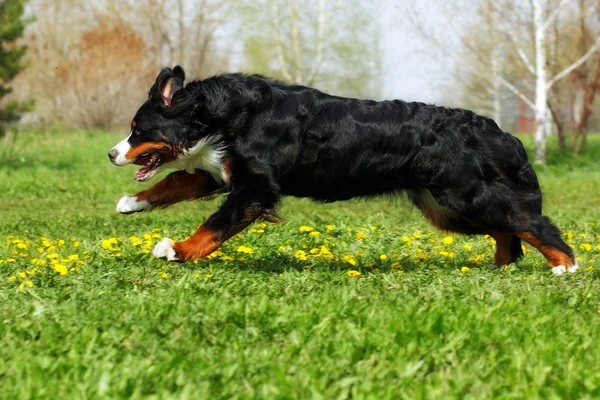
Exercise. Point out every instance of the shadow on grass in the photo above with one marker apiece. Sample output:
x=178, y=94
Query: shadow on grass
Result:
x=276, y=264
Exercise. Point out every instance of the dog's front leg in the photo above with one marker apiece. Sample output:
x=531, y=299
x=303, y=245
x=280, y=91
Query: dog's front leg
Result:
x=237, y=212
x=176, y=187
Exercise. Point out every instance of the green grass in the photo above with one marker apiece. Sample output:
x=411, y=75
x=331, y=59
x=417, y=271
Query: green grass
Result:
x=277, y=323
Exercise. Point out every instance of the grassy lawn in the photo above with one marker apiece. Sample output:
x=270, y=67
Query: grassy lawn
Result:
x=348, y=300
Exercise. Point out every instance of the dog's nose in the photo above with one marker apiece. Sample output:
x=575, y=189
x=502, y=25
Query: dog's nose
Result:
x=112, y=154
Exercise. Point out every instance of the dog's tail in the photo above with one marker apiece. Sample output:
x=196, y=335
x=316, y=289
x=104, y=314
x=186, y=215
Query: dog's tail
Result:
x=516, y=251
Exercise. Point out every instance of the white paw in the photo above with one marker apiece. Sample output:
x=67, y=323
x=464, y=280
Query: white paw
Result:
x=573, y=267
x=164, y=249
x=128, y=205
x=561, y=269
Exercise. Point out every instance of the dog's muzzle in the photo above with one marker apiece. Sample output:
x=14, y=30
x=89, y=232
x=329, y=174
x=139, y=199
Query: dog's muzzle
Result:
x=112, y=155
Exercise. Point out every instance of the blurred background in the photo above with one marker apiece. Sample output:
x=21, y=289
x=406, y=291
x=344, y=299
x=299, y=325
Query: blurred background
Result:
x=533, y=66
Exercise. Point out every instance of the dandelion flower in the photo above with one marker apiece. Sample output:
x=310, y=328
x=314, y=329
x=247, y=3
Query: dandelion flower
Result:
x=245, y=250
x=468, y=247
x=330, y=228
x=305, y=228
x=448, y=240
x=383, y=257
x=353, y=273
x=350, y=260
x=301, y=255
x=361, y=235
x=61, y=269
x=586, y=247
x=464, y=270
x=314, y=233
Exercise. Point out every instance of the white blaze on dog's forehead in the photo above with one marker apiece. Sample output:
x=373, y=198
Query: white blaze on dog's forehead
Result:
x=122, y=148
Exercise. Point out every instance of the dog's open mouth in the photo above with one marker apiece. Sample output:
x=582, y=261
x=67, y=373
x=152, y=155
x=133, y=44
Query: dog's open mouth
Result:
x=149, y=162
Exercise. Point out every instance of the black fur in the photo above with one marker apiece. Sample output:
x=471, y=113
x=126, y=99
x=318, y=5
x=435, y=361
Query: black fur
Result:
x=290, y=140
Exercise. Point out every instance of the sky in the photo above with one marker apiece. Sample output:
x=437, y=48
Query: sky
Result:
x=409, y=72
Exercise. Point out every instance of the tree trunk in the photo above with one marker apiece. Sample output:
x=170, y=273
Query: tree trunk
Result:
x=497, y=86
x=542, y=120
x=558, y=121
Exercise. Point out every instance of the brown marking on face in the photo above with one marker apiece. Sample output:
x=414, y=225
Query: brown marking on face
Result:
x=554, y=256
x=503, y=254
x=167, y=152
x=133, y=124
x=177, y=187
x=201, y=244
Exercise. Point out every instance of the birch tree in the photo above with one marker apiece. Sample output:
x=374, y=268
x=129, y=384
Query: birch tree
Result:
x=522, y=31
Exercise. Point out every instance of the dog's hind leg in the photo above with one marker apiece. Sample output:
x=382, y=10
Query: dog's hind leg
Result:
x=176, y=187
x=544, y=236
x=508, y=246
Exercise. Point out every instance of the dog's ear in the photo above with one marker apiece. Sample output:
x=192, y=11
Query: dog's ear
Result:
x=168, y=82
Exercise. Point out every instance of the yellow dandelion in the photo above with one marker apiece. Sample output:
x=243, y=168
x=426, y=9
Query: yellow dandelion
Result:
x=350, y=260
x=468, y=247
x=590, y=268
x=464, y=270
x=353, y=273
x=383, y=257
x=586, y=247
x=305, y=228
x=361, y=235
x=417, y=235
x=22, y=274
x=406, y=240
x=448, y=240
x=301, y=255
x=330, y=228
x=12, y=278
x=163, y=275
x=314, y=233
x=227, y=258
x=396, y=265
x=61, y=269
x=245, y=250
x=208, y=276
x=11, y=260
x=373, y=228
x=215, y=254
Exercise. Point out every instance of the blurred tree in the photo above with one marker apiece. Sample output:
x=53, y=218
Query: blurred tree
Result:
x=106, y=78
x=178, y=31
x=333, y=45
x=11, y=29
x=522, y=31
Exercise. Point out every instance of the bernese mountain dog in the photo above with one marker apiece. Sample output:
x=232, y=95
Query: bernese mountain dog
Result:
x=260, y=139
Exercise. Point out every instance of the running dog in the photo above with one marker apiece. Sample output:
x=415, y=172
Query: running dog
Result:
x=259, y=139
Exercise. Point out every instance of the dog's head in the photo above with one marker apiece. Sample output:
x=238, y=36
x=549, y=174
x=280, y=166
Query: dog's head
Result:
x=167, y=132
